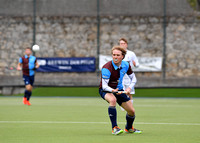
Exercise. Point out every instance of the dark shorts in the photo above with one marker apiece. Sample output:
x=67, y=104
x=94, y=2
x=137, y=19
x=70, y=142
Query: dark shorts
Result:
x=120, y=98
x=28, y=80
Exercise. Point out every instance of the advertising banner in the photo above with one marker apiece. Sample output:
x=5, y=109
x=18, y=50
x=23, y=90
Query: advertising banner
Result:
x=147, y=64
x=86, y=64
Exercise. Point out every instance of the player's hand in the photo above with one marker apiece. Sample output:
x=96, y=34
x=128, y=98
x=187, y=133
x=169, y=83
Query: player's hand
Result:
x=120, y=92
x=115, y=90
x=128, y=90
x=19, y=68
x=134, y=63
x=37, y=66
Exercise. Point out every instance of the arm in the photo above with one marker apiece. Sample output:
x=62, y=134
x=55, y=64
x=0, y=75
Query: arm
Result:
x=134, y=63
x=19, y=65
x=135, y=60
x=131, y=75
x=37, y=65
x=105, y=86
x=132, y=84
x=105, y=80
x=133, y=80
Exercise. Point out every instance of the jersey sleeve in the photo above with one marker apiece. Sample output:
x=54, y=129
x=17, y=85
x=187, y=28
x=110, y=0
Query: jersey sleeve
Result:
x=133, y=80
x=20, y=60
x=129, y=70
x=105, y=73
x=35, y=60
x=134, y=58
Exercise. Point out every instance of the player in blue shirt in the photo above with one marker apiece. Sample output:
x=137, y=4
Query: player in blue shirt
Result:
x=28, y=64
x=112, y=74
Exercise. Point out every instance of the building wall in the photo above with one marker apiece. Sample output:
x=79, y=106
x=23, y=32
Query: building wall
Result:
x=76, y=37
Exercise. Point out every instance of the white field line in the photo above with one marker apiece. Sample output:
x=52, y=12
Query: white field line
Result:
x=103, y=105
x=71, y=122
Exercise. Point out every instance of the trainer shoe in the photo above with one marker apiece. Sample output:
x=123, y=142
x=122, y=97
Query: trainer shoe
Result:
x=133, y=130
x=28, y=103
x=24, y=100
x=116, y=131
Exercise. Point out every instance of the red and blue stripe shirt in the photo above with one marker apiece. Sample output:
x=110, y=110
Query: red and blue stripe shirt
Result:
x=28, y=64
x=115, y=74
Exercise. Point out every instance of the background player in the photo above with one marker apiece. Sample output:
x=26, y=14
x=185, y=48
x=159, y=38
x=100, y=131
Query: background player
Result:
x=111, y=81
x=27, y=64
x=131, y=58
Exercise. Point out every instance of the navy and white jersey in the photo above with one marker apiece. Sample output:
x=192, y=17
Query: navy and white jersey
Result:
x=28, y=64
x=114, y=74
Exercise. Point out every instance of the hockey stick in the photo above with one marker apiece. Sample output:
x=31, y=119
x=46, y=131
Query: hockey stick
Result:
x=119, y=92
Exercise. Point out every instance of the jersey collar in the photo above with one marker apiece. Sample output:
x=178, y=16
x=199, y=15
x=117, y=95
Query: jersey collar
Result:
x=116, y=67
x=27, y=56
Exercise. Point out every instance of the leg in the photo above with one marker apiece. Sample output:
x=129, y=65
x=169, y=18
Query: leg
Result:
x=128, y=106
x=130, y=116
x=112, y=112
x=27, y=94
x=111, y=99
x=28, y=91
x=28, y=80
x=30, y=86
x=130, y=95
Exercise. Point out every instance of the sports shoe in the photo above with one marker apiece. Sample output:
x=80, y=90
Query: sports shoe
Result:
x=133, y=130
x=24, y=100
x=28, y=103
x=116, y=131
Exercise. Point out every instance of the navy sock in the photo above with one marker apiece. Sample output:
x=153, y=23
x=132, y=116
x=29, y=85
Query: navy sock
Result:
x=112, y=112
x=130, y=120
x=28, y=95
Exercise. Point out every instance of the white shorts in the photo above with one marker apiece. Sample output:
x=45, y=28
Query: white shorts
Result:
x=126, y=82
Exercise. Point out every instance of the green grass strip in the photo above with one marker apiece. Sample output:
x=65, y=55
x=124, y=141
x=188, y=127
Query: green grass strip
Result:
x=93, y=92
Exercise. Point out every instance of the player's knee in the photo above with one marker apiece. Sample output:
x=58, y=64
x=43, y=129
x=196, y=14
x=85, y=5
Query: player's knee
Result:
x=29, y=87
x=113, y=101
x=131, y=112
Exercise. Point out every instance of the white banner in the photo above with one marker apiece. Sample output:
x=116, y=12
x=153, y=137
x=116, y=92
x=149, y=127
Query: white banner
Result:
x=147, y=64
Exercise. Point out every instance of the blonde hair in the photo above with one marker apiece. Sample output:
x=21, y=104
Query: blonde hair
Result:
x=117, y=47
